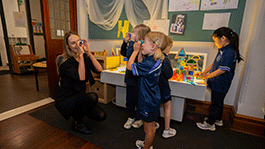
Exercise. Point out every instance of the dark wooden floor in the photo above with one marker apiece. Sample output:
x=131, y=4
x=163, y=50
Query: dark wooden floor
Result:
x=24, y=131
x=19, y=90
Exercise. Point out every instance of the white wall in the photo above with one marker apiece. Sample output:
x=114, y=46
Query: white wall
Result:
x=9, y=7
x=252, y=94
x=39, y=43
x=247, y=94
x=2, y=46
x=82, y=19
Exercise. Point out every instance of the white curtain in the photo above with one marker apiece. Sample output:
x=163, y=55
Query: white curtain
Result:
x=157, y=8
x=136, y=11
x=106, y=13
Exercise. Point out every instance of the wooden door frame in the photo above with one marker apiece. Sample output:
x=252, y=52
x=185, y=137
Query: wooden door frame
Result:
x=51, y=55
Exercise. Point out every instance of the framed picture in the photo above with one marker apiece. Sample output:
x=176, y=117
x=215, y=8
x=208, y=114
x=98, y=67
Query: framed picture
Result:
x=22, y=50
x=178, y=24
x=201, y=57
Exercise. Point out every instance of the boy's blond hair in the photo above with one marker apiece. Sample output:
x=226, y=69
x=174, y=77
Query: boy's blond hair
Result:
x=143, y=30
x=160, y=40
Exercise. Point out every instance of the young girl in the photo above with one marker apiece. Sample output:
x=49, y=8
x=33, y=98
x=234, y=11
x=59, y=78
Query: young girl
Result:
x=131, y=81
x=221, y=74
x=166, y=73
x=148, y=71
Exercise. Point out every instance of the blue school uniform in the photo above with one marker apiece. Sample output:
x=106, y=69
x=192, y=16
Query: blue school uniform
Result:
x=224, y=60
x=166, y=74
x=149, y=94
x=127, y=51
x=131, y=81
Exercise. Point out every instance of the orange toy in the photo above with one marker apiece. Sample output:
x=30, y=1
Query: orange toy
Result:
x=177, y=77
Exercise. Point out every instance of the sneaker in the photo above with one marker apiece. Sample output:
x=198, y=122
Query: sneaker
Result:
x=140, y=144
x=157, y=125
x=217, y=122
x=137, y=124
x=206, y=126
x=169, y=133
x=128, y=123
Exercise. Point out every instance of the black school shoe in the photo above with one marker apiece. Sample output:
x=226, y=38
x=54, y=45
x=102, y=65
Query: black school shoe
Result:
x=81, y=128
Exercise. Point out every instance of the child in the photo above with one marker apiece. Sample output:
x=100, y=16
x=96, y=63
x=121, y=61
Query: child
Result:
x=131, y=81
x=148, y=71
x=221, y=74
x=166, y=73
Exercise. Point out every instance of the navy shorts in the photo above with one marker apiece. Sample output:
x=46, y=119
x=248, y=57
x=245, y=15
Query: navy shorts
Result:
x=149, y=117
x=166, y=99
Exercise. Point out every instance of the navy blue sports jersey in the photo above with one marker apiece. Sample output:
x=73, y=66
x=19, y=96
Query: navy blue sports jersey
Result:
x=224, y=60
x=149, y=94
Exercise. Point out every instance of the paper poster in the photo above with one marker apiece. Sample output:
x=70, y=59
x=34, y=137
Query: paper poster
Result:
x=218, y=4
x=212, y=21
x=20, y=19
x=158, y=25
x=178, y=24
x=183, y=5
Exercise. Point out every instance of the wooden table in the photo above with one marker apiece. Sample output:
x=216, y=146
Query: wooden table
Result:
x=39, y=65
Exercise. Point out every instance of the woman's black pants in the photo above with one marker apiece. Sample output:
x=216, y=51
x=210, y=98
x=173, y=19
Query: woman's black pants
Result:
x=86, y=105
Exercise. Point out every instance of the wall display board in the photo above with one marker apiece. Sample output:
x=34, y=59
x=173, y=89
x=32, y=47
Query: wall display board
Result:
x=193, y=28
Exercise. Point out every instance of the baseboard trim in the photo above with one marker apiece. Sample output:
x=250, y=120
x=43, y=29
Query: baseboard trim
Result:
x=20, y=110
x=232, y=121
x=249, y=125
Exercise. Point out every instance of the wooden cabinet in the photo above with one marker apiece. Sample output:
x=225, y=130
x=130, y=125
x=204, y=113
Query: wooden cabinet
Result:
x=106, y=92
x=22, y=58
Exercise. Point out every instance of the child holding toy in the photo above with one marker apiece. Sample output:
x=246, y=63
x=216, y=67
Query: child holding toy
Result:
x=148, y=70
x=139, y=32
x=221, y=74
x=166, y=74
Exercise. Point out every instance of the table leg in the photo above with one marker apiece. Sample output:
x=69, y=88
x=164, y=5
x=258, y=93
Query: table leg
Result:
x=36, y=78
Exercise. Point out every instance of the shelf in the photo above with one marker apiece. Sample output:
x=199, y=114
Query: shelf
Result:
x=22, y=56
x=24, y=65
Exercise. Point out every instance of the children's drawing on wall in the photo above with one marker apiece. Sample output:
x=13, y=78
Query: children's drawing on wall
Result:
x=158, y=25
x=178, y=24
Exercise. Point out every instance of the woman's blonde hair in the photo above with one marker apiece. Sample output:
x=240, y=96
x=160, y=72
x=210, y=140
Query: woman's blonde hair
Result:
x=67, y=53
x=160, y=40
x=143, y=30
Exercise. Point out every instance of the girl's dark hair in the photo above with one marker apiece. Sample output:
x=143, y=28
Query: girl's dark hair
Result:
x=232, y=37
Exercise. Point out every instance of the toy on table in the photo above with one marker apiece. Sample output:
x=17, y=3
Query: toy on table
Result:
x=187, y=70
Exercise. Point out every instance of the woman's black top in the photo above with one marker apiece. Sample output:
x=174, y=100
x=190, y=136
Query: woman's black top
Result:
x=71, y=87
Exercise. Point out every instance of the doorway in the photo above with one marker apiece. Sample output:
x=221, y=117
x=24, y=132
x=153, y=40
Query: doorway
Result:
x=20, y=90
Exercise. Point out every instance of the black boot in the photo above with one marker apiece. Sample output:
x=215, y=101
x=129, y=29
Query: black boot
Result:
x=81, y=128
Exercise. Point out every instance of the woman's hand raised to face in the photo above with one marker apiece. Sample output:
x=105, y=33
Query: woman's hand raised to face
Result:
x=86, y=46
